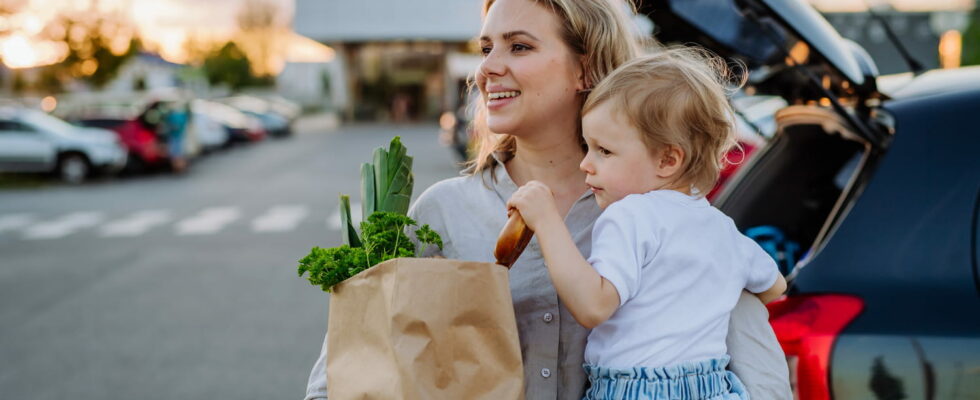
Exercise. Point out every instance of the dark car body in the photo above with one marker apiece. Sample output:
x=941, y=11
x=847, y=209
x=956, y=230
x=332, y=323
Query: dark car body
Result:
x=879, y=192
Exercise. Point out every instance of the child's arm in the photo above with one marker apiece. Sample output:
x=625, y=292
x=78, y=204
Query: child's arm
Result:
x=775, y=291
x=589, y=297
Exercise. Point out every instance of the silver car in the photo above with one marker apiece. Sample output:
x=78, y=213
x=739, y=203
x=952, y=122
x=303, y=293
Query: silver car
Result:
x=33, y=141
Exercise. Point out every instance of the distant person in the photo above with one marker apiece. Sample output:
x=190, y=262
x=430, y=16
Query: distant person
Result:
x=666, y=268
x=175, y=125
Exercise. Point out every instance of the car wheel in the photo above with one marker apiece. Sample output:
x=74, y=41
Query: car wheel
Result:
x=73, y=168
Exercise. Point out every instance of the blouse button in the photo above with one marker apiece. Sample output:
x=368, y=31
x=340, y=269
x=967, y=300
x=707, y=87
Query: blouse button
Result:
x=545, y=372
x=547, y=317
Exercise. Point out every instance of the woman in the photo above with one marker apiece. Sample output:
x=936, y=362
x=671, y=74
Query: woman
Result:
x=540, y=60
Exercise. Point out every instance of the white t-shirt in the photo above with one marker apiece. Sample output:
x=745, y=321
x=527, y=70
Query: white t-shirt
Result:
x=679, y=266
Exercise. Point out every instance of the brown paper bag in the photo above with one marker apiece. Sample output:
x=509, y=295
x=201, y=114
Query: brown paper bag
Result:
x=424, y=328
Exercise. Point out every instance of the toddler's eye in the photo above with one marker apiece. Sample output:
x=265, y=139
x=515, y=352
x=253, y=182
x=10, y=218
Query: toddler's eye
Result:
x=603, y=151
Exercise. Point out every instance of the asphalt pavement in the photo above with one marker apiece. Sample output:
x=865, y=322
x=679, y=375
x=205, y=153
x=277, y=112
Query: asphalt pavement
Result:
x=183, y=287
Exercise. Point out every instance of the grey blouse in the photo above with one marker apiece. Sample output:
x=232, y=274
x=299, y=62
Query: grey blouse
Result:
x=469, y=211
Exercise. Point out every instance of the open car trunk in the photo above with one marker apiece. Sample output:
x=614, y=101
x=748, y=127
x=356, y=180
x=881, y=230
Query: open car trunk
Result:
x=802, y=182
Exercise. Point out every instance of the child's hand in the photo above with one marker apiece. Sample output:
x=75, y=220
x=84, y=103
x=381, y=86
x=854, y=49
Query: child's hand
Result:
x=536, y=204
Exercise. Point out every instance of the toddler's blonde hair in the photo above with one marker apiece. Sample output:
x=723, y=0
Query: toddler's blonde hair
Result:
x=677, y=96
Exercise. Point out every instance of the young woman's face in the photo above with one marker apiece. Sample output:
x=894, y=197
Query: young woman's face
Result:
x=618, y=162
x=529, y=76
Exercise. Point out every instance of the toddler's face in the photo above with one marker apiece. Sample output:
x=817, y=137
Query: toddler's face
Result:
x=618, y=163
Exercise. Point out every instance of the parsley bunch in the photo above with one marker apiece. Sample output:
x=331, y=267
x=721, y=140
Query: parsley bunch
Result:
x=383, y=238
x=386, y=187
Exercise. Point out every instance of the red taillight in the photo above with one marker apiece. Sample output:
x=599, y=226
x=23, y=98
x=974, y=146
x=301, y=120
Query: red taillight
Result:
x=806, y=327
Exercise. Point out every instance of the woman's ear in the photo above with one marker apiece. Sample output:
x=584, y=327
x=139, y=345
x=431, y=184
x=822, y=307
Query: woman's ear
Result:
x=671, y=161
x=583, y=85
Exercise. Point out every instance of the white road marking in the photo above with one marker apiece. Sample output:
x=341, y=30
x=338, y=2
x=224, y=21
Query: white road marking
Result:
x=136, y=224
x=12, y=222
x=208, y=221
x=333, y=222
x=280, y=219
x=64, y=226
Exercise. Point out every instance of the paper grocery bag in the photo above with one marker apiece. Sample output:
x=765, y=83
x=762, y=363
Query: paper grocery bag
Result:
x=424, y=328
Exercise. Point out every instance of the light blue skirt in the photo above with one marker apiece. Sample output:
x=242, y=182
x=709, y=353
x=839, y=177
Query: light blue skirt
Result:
x=694, y=380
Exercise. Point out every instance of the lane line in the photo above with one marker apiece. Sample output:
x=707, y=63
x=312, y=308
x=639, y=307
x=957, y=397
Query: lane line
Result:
x=64, y=226
x=208, y=221
x=136, y=224
x=12, y=222
x=280, y=219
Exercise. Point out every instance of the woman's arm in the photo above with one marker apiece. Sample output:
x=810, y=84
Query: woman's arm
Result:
x=316, y=386
x=757, y=358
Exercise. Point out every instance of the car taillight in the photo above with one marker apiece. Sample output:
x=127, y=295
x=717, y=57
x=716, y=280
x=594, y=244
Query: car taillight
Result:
x=807, y=327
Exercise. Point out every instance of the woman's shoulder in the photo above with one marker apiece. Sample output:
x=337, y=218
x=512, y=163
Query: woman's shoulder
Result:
x=449, y=194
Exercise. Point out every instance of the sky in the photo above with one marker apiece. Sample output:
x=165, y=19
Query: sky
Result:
x=166, y=24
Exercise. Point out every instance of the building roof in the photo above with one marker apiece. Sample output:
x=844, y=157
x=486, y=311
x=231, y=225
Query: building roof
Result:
x=384, y=20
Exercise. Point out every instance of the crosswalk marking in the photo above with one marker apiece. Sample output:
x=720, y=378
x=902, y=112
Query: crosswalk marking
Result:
x=208, y=221
x=136, y=224
x=63, y=226
x=280, y=219
x=333, y=222
x=11, y=222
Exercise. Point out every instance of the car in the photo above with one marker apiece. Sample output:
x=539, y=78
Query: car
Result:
x=868, y=199
x=33, y=141
x=274, y=123
x=210, y=132
x=241, y=127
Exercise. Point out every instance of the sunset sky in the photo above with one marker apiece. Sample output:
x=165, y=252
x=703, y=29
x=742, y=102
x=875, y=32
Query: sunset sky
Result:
x=166, y=24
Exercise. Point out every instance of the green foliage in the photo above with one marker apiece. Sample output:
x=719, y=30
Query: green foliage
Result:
x=386, y=187
x=229, y=65
x=386, y=184
x=971, y=40
x=348, y=234
x=384, y=238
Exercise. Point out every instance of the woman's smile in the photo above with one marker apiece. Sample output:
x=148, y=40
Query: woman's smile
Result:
x=499, y=98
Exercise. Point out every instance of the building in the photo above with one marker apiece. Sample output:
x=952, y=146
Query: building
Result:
x=397, y=60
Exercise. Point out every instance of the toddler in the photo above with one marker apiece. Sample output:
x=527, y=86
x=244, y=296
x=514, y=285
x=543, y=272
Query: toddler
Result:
x=666, y=268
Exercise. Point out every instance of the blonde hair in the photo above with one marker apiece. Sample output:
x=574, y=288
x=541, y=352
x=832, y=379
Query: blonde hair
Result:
x=678, y=96
x=600, y=31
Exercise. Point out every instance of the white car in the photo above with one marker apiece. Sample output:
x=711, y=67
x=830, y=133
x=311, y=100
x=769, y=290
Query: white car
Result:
x=33, y=141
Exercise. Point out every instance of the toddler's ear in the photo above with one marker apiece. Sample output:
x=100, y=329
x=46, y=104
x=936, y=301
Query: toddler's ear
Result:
x=671, y=160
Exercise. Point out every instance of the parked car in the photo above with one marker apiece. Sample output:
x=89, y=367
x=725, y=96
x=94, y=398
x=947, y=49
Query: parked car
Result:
x=274, y=123
x=240, y=126
x=867, y=199
x=210, y=132
x=146, y=148
x=33, y=141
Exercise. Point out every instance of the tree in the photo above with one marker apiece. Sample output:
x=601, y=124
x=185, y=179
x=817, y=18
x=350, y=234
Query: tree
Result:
x=971, y=40
x=229, y=65
x=260, y=22
x=98, y=44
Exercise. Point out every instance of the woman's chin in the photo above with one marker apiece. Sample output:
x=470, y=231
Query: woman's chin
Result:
x=501, y=124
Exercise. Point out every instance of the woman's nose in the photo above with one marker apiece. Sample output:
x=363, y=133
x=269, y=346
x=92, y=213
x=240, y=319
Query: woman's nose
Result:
x=492, y=65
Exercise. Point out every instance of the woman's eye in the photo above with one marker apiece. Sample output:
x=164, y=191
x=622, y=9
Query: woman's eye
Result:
x=486, y=50
x=517, y=47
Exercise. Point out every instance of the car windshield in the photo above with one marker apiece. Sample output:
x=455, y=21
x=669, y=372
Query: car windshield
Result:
x=47, y=122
